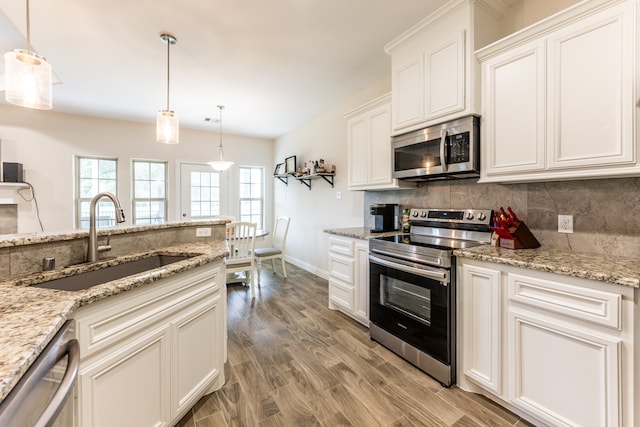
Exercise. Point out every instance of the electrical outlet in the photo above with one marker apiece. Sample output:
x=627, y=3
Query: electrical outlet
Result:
x=203, y=232
x=338, y=195
x=565, y=223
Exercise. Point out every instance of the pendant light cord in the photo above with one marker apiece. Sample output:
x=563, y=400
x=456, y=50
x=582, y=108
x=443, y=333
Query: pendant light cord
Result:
x=28, y=29
x=168, y=69
x=221, y=107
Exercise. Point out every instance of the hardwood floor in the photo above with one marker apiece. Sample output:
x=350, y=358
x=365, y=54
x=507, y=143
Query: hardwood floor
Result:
x=294, y=362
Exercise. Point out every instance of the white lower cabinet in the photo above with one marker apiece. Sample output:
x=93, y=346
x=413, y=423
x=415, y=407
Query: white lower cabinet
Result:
x=556, y=349
x=481, y=323
x=149, y=354
x=349, y=277
x=129, y=386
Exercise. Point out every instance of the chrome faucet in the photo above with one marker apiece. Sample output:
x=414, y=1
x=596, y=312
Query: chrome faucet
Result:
x=94, y=250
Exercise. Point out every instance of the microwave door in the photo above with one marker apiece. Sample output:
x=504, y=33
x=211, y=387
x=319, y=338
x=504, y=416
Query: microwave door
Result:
x=418, y=159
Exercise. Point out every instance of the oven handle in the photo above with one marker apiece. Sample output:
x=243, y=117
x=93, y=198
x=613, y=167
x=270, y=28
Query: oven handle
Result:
x=427, y=273
x=443, y=151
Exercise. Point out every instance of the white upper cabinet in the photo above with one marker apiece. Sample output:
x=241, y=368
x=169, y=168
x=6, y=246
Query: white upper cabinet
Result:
x=558, y=97
x=370, y=155
x=433, y=66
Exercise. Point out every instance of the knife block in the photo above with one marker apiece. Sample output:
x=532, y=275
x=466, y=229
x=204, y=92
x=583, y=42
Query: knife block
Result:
x=517, y=237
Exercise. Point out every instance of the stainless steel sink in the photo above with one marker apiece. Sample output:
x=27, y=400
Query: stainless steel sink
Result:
x=81, y=281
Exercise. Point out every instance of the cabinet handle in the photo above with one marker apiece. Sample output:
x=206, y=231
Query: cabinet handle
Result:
x=443, y=151
x=440, y=276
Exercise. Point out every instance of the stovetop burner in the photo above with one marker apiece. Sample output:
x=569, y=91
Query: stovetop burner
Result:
x=441, y=243
x=435, y=234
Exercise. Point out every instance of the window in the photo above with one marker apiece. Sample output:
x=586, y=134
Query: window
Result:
x=149, y=192
x=95, y=175
x=251, y=180
x=205, y=194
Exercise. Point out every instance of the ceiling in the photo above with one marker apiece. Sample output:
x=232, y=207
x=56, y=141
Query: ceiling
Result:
x=272, y=64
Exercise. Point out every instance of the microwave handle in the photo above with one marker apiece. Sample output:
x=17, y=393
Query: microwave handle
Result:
x=443, y=151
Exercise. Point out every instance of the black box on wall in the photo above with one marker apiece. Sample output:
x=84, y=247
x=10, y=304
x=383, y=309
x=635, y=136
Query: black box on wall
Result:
x=12, y=172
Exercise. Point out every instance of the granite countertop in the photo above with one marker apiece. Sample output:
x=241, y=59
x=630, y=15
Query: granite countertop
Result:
x=363, y=233
x=31, y=316
x=11, y=240
x=611, y=269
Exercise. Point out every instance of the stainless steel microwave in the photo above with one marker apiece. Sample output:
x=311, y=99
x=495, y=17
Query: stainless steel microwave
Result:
x=447, y=150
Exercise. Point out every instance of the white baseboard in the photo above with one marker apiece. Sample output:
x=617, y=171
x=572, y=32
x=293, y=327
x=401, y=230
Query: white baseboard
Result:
x=308, y=267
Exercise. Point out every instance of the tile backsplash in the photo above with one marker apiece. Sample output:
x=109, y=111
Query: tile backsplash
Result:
x=8, y=218
x=604, y=211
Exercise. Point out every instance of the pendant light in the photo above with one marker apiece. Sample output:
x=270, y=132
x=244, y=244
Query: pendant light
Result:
x=28, y=76
x=167, y=121
x=220, y=165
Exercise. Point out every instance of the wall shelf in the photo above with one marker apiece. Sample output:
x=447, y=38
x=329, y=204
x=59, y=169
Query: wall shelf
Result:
x=9, y=192
x=283, y=177
x=306, y=179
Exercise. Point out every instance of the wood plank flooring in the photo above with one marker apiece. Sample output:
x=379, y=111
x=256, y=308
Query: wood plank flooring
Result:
x=294, y=362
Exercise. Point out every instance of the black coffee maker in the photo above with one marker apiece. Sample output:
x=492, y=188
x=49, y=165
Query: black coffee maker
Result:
x=385, y=217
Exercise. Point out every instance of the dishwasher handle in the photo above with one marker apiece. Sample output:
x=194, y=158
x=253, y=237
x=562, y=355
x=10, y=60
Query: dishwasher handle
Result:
x=13, y=407
x=51, y=412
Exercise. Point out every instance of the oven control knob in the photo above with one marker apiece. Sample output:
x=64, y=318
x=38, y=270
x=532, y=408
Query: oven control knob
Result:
x=482, y=216
x=423, y=214
x=470, y=215
x=415, y=213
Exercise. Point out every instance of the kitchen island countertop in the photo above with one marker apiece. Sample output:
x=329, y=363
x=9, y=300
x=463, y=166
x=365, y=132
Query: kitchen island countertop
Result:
x=31, y=316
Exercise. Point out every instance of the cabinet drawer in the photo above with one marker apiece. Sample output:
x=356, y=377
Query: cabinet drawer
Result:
x=600, y=307
x=116, y=318
x=341, y=246
x=341, y=268
x=342, y=294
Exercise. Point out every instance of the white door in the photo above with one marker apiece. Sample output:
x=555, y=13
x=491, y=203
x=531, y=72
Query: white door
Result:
x=203, y=192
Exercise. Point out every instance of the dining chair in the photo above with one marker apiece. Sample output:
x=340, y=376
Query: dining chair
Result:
x=241, y=239
x=277, y=250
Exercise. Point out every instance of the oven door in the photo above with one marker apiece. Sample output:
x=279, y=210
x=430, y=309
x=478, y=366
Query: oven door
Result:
x=414, y=303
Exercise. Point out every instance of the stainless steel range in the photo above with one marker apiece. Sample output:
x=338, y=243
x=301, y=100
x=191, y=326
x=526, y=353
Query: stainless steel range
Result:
x=413, y=287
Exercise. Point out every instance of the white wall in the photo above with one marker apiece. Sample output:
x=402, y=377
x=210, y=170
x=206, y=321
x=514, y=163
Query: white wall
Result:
x=45, y=143
x=315, y=210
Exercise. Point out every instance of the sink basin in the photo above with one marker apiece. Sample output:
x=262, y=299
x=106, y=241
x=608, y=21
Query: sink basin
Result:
x=81, y=281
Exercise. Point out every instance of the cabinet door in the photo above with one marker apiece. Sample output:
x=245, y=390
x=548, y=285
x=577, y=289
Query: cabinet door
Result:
x=380, y=150
x=562, y=374
x=407, y=87
x=197, y=352
x=444, y=75
x=513, y=94
x=591, y=87
x=342, y=292
x=129, y=387
x=481, y=326
x=362, y=283
x=358, y=154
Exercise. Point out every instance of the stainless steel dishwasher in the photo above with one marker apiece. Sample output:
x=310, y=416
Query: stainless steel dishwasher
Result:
x=40, y=398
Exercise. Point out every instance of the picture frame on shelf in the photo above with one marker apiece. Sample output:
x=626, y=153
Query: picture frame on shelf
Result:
x=280, y=169
x=290, y=165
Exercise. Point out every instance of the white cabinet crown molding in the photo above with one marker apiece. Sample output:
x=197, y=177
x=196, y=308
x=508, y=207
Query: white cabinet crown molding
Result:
x=547, y=25
x=494, y=7
x=371, y=104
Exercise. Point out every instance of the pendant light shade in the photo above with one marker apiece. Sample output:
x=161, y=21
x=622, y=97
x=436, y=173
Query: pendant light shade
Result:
x=167, y=128
x=28, y=77
x=220, y=165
